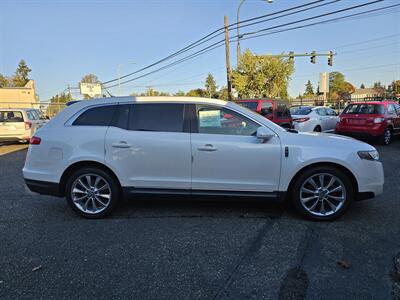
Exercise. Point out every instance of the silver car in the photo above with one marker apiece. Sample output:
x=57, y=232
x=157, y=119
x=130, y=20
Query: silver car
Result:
x=19, y=124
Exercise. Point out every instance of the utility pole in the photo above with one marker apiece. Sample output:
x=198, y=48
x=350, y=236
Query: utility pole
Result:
x=228, y=60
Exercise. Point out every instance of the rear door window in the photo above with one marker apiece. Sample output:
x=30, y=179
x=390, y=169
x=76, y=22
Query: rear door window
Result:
x=11, y=116
x=321, y=112
x=161, y=117
x=121, y=116
x=96, y=116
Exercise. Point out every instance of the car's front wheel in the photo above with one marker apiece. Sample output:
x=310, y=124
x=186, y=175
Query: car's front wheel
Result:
x=322, y=193
x=92, y=192
x=386, y=137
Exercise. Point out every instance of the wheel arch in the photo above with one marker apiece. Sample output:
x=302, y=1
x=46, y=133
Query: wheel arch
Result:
x=340, y=167
x=84, y=164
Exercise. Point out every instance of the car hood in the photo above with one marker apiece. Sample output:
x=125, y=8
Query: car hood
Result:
x=327, y=140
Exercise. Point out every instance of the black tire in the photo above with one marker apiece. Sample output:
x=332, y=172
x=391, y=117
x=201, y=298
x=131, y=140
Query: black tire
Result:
x=304, y=176
x=386, y=138
x=114, y=189
x=317, y=128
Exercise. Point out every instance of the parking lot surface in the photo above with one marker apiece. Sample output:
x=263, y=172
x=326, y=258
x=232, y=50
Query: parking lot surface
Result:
x=168, y=249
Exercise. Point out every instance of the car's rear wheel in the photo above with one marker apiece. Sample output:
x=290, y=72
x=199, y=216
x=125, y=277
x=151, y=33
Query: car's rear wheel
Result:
x=322, y=193
x=317, y=128
x=386, y=137
x=92, y=193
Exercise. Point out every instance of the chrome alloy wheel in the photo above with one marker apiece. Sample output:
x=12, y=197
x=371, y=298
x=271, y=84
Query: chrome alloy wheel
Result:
x=322, y=194
x=91, y=193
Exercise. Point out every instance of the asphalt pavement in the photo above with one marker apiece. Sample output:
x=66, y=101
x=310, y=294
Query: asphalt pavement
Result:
x=183, y=249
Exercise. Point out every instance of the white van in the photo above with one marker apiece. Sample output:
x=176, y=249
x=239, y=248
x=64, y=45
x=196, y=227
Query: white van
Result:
x=19, y=124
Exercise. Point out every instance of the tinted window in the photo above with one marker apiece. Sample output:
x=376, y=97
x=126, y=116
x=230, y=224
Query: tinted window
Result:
x=121, y=115
x=266, y=108
x=301, y=110
x=282, y=111
x=364, y=109
x=250, y=105
x=11, y=116
x=97, y=116
x=217, y=120
x=165, y=117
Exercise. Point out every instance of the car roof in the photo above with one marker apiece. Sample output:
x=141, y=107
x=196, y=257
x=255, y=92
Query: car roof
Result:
x=17, y=109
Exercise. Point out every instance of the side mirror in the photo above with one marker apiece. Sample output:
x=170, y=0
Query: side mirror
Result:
x=264, y=134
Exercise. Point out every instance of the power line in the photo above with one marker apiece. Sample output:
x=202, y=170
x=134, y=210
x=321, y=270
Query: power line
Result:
x=317, y=23
x=314, y=17
x=213, y=35
x=221, y=42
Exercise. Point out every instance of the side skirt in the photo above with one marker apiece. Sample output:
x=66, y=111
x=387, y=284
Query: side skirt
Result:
x=130, y=192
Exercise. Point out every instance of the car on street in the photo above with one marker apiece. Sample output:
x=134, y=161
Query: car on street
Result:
x=275, y=110
x=309, y=118
x=371, y=119
x=96, y=152
x=19, y=124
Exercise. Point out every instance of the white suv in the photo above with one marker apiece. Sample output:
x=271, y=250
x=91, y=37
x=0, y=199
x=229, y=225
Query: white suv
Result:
x=94, y=152
x=19, y=124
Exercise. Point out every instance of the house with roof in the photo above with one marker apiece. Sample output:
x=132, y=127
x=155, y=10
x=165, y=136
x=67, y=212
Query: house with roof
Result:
x=19, y=97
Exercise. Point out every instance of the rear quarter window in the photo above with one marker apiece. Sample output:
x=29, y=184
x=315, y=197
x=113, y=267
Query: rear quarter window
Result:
x=96, y=116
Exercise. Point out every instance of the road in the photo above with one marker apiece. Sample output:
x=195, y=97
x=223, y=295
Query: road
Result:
x=181, y=249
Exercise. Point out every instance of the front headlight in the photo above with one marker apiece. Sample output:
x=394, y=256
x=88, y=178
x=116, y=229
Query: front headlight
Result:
x=369, y=155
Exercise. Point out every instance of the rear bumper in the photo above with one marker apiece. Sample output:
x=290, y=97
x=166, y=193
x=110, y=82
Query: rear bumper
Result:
x=44, y=187
x=361, y=131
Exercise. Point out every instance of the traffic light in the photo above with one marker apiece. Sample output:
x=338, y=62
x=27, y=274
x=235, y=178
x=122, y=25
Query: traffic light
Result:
x=291, y=56
x=313, y=57
x=330, y=58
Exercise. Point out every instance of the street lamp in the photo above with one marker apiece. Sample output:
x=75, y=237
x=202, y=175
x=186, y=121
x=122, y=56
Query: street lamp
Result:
x=119, y=75
x=237, y=28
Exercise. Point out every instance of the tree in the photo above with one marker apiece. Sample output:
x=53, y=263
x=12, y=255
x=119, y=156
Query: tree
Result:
x=210, y=87
x=196, y=93
x=318, y=92
x=309, y=89
x=90, y=78
x=179, y=93
x=377, y=85
x=339, y=88
x=3, y=81
x=262, y=76
x=57, y=103
x=21, y=74
x=223, y=93
x=362, y=86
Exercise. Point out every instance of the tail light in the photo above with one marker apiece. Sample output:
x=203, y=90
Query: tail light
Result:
x=28, y=125
x=301, y=120
x=35, y=140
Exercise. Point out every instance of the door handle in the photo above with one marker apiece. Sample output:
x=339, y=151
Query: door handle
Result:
x=121, y=144
x=207, y=147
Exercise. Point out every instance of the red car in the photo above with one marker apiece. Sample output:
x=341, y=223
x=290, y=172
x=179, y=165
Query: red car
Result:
x=378, y=119
x=275, y=110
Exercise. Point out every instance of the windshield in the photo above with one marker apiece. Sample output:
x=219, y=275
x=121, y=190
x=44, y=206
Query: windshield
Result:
x=300, y=110
x=249, y=105
x=364, y=109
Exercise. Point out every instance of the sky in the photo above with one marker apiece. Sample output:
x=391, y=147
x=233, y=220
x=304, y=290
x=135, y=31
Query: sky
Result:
x=62, y=40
